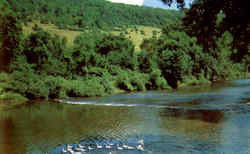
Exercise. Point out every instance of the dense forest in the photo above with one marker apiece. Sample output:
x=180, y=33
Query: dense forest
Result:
x=233, y=17
x=82, y=14
x=41, y=65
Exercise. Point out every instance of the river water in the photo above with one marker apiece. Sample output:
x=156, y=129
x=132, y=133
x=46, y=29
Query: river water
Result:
x=197, y=120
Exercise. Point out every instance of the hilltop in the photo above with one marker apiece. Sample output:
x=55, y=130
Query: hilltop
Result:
x=71, y=19
x=149, y=3
x=89, y=14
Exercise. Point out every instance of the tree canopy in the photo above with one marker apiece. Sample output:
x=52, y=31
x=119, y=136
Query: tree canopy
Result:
x=209, y=43
x=82, y=14
x=208, y=19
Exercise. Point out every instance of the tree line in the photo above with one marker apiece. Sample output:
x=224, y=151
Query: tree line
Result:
x=40, y=65
x=209, y=19
x=82, y=14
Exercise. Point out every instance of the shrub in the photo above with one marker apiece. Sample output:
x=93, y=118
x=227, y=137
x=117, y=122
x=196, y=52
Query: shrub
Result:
x=30, y=85
x=123, y=81
x=85, y=88
x=13, y=98
x=122, y=59
x=174, y=65
x=142, y=32
x=156, y=80
x=131, y=80
x=112, y=43
x=36, y=28
x=5, y=81
x=149, y=45
x=44, y=21
x=90, y=72
x=147, y=61
x=138, y=80
x=46, y=53
x=37, y=86
x=10, y=37
x=101, y=50
x=7, y=95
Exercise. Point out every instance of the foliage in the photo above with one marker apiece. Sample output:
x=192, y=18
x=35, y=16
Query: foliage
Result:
x=40, y=65
x=6, y=92
x=156, y=80
x=101, y=50
x=131, y=81
x=147, y=61
x=178, y=56
x=96, y=65
x=90, y=13
x=210, y=19
x=174, y=53
x=10, y=36
x=37, y=86
x=224, y=67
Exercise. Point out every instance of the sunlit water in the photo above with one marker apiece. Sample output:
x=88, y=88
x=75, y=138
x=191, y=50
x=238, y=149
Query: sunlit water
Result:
x=197, y=120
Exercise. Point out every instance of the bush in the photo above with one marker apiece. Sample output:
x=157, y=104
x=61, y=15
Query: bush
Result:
x=10, y=37
x=83, y=59
x=101, y=50
x=176, y=54
x=44, y=21
x=37, y=28
x=37, y=86
x=123, y=81
x=90, y=72
x=5, y=81
x=156, y=80
x=7, y=95
x=142, y=32
x=13, y=98
x=131, y=80
x=174, y=65
x=217, y=64
x=29, y=85
x=149, y=45
x=122, y=59
x=147, y=61
x=112, y=43
x=85, y=88
x=46, y=54
x=138, y=80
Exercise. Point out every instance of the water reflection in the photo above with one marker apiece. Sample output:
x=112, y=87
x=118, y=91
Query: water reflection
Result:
x=7, y=137
x=168, y=123
x=193, y=124
x=210, y=116
x=45, y=125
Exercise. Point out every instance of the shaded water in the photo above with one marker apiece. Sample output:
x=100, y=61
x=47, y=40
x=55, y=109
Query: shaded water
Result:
x=196, y=120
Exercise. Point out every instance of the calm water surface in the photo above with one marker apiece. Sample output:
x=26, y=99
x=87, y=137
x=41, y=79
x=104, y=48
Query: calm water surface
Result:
x=197, y=120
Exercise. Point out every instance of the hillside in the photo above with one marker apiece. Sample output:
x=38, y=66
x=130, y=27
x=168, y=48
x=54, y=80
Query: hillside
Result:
x=82, y=14
x=101, y=56
x=136, y=35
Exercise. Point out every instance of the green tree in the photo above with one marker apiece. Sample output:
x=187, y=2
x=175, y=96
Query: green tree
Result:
x=201, y=21
x=10, y=37
x=46, y=53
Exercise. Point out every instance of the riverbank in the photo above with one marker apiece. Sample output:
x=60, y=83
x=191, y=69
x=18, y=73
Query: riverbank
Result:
x=10, y=100
x=198, y=120
x=43, y=65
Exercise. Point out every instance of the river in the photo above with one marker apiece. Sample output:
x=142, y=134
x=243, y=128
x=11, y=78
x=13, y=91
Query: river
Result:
x=196, y=120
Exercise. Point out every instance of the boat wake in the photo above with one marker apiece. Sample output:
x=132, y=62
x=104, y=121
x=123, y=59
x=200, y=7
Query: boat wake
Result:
x=116, y=104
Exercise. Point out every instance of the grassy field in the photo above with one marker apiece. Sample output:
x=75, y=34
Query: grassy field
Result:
x=69, y=34
x=136, y=35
